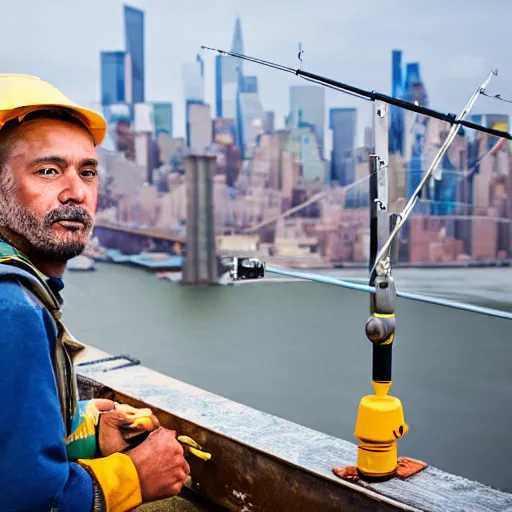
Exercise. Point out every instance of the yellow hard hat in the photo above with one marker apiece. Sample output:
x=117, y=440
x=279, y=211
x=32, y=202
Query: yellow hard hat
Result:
x=21, y=94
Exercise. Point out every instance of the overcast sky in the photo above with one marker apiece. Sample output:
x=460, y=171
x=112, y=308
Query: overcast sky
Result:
x=457, y=42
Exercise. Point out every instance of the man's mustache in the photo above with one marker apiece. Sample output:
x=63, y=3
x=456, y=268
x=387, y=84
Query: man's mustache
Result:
x=72, y=213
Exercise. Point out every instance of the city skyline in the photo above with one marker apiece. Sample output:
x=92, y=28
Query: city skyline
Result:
x=450, y=75
x=277, y=182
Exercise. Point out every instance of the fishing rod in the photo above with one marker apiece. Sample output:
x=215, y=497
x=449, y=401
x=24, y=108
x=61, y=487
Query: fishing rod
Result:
x=379, y=415
x=367, y=95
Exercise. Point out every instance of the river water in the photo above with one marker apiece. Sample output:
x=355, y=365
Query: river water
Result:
x=297, y=349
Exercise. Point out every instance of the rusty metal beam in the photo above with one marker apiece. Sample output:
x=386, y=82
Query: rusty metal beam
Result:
x=263, y=462
x=241, y=477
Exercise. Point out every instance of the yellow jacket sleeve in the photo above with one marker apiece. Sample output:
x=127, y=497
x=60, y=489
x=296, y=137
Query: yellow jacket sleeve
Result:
x=117, y=477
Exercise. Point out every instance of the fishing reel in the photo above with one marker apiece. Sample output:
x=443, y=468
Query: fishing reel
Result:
x=242, y=268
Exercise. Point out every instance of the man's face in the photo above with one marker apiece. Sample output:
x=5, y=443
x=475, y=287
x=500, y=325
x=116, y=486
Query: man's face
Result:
x=49, y=188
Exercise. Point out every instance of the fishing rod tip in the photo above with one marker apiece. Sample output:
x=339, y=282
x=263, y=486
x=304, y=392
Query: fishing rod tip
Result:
x=203, y=47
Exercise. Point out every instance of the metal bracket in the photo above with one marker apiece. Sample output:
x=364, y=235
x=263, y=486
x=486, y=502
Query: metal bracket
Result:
x=299, y=56
x=384, y=299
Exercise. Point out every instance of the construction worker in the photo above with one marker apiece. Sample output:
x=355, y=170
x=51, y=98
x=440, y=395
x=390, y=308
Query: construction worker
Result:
x=57, y=453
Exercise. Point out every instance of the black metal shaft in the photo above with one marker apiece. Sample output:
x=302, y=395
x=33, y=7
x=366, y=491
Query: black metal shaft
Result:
x=381, y=362
x=406, y=105
x=373, y=193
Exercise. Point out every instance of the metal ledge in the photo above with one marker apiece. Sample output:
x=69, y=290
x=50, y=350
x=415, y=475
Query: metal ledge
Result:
x=262, y=462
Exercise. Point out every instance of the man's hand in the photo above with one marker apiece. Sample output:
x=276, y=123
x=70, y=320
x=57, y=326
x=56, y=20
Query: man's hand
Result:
x=160, y=464
x=114, y=419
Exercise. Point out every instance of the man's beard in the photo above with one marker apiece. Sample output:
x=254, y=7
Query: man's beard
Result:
x=38, y=233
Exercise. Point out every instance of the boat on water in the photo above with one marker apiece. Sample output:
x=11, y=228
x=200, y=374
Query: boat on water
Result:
x=157, y=261
x=116, y=256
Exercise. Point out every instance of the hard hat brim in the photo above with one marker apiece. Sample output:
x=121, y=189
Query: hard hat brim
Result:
x=93, y=121
x=22, y=94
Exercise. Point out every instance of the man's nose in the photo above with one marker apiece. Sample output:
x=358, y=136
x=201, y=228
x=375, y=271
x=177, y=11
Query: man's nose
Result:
x=73, y=188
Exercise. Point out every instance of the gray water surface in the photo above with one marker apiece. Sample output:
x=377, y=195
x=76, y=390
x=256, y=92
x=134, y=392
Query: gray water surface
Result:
x=298, y=350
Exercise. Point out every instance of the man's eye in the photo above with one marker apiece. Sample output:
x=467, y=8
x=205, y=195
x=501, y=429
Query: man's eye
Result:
x=89, y=173
x=47, y=171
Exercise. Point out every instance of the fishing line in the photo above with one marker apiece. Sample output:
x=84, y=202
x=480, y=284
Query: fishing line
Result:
x=280, y=67
x=313, y=199
x=496, y=97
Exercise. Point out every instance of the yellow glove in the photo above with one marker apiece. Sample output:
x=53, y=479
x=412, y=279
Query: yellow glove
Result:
x=118, y=479
x=140, y=419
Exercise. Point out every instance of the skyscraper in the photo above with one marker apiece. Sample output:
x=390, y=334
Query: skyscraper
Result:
x=310, y=100
x=249, y=84
x=268, y=125
x=414, y=89
x=342, y=122
x=162, y=112
x=218, y=86
x=237, y=45
x=112, y=77
x=250, y=116
x=228, y=72
x=193, y=79
x=302, y=143
x=414, y=126
x=134, y=40
x=193, y=83
x=396, y=125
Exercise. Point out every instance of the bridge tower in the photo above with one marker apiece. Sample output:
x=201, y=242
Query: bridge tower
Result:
x=200, y=260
